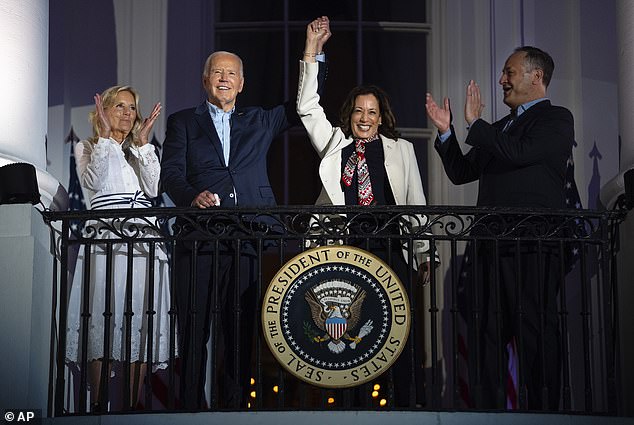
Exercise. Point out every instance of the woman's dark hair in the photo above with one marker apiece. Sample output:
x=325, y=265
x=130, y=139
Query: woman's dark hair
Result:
x=388, y=122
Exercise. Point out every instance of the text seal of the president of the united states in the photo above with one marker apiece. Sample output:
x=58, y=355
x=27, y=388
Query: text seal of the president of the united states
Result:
x=336, y=316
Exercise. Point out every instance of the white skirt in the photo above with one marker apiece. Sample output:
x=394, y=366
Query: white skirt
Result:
x=96, y=285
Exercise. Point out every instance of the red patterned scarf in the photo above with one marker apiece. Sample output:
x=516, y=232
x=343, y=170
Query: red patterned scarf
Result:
x=357, y=161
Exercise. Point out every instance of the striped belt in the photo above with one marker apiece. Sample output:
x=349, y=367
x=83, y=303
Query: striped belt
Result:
x=122, y=200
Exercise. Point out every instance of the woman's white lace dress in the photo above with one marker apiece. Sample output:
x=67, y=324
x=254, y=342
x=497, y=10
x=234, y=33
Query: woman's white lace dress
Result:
x=110, y=181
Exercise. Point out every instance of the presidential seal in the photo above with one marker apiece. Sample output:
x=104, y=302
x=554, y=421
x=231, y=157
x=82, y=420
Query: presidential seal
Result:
x=336, y=316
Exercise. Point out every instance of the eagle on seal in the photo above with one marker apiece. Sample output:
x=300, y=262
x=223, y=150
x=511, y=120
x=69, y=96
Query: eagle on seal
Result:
x=336, y=309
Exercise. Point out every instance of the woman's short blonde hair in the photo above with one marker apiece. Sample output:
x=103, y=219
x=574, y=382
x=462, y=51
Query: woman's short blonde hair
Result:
x=107, y=100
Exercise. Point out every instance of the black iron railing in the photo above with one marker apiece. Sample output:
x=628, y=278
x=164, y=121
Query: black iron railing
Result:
x=448, y=312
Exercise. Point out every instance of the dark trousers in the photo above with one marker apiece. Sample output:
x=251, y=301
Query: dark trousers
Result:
x=219, y=293
x=518, y=302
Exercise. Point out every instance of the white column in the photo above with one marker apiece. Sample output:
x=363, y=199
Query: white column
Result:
x=25, y=259
x=614, y=188
x=24, y=79
x=625, y=34
x=625, y=14
x=24, y=88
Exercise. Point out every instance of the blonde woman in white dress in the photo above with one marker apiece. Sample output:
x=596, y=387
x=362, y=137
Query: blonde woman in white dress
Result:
x=118, y=168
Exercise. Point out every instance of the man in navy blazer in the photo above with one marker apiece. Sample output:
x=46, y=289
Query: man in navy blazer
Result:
x=215, y=155
x=520, y=161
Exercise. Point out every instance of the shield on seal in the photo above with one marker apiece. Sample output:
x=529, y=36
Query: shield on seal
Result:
x=336, y=327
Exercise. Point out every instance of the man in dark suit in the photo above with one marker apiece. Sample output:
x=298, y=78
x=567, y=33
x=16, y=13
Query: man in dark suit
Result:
x=215, y=155
x=520, y=161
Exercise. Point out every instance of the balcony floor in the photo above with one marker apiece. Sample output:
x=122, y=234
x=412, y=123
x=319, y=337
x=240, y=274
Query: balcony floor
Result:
x=356, y=417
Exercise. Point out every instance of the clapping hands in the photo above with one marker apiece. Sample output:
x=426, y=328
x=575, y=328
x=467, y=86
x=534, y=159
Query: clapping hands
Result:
x=103, y=123
x=440, y=116
x=147, y=124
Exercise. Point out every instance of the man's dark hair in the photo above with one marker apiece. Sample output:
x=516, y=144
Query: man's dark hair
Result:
x=538, y=59
x=388, y=126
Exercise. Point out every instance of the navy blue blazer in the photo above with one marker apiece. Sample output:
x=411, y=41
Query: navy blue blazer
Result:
x=522, y=167
x=192, y=158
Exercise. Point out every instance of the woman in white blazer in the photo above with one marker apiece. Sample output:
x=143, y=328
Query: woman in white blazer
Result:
x=364, y=162
x=366, y=114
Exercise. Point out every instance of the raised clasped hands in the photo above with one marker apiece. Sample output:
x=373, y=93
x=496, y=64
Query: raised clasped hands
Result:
x=317, y=34
x=147, y=124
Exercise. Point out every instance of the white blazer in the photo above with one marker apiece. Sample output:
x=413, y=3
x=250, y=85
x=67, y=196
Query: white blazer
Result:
x=400, y=161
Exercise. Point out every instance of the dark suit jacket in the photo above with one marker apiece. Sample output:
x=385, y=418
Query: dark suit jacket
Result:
x=193, y=161
x=522, y=167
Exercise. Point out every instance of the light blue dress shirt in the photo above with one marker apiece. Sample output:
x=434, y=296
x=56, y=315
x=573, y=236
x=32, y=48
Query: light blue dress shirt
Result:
x=221, y=121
